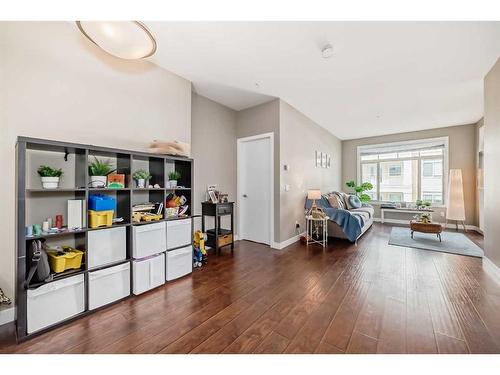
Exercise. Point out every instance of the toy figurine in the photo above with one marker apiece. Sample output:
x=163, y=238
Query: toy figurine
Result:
x=200, y=253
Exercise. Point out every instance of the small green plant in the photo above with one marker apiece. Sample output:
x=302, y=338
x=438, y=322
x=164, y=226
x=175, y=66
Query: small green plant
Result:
x=174, y=176
x=422, y=205
x=100, y=168
x=423, y=218
x=46, y=171
x=141, y=174
x=359, y=190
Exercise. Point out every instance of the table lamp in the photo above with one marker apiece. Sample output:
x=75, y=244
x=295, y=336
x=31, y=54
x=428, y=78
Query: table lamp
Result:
x=455, y=207
x=313, y=195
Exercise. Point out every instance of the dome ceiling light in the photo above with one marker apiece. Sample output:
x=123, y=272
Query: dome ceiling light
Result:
x=130, y=40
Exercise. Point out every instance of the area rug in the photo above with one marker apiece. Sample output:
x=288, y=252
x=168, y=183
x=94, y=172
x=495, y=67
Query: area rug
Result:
x=452, y=242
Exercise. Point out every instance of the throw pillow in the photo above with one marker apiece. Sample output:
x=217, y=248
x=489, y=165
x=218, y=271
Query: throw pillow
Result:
x=335, y=201
x=354, y=202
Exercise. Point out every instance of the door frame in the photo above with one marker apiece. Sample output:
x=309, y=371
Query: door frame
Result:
x=239, y=142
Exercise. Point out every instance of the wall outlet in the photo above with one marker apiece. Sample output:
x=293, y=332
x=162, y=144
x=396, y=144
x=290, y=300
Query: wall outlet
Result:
x=287, y=187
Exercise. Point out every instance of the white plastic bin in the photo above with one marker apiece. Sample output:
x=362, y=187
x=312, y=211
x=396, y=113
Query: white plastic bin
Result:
x=106, y=246
x=109, y=285
x=149, y=239
x=179, y=262
x=54, y=302
x=178, y=233
x=148, y=273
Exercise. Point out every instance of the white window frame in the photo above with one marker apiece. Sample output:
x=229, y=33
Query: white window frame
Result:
x=442, y=140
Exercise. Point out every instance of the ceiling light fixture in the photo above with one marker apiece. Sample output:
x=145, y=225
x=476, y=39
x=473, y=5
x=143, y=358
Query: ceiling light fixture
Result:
x=327, y=51
x=129, y=40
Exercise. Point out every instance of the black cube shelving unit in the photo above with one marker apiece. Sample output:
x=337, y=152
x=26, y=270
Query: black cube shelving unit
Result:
x=35, y=203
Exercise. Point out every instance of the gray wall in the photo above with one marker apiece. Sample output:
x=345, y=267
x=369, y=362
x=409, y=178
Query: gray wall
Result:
x=264, y=118
x=462, y=151
x=213, y=129
x=492, y=158
x=55, y=84
x=300, y=139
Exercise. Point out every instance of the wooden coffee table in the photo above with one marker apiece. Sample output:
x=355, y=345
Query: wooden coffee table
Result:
x=417, y=226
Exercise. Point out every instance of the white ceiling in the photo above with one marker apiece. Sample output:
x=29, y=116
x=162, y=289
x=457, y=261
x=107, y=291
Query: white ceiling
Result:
x=384, y=77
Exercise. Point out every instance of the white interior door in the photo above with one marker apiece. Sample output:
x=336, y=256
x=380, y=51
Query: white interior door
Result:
x=255, y=188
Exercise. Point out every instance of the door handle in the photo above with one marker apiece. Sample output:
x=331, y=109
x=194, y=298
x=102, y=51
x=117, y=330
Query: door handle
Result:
x=245, y=196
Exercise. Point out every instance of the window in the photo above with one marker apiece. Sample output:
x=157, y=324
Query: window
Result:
x=405, y=171
x=395, y=170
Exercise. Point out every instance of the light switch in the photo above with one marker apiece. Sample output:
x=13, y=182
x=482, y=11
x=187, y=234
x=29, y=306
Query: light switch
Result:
x=287, y=187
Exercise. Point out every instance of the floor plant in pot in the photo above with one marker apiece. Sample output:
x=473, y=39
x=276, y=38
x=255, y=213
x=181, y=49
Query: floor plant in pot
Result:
x=141, y=177
x=50, y=176
x=98, y=172
x=359, y=190
x=173, y=177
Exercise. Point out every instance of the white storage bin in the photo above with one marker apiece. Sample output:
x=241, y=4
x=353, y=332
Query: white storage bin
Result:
x=178, y=233
x=148, y=273
x=106, y=246
x=55, y=302
x=109, y=285
x=149, y=239
x=179, y=262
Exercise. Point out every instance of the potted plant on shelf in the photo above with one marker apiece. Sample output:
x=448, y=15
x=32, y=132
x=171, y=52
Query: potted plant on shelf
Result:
x=98, y=172
x=173, y=177
x=141, y=177
x=50, y=176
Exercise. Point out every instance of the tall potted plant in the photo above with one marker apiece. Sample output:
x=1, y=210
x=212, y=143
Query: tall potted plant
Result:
x=50, y=176
x=173, y=177
x=359, y=190
x=98, y=172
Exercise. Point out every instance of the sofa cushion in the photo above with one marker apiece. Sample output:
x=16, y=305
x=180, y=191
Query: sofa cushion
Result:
x=353, y=202
x=365, y=209
x=336, y=201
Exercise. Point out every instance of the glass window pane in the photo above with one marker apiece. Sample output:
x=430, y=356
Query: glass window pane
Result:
x=432, y=180
x=392, y=155
x=369, y=157
x=369, y=173
x=400, y=187
x=432, y=152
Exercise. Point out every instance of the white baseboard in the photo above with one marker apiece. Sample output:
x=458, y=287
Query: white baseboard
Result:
x=492, y=268
x=282, y=245
x=7, y=314
x=450, y=225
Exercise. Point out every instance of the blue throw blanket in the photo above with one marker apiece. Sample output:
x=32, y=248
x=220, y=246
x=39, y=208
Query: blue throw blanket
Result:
x=350, y=222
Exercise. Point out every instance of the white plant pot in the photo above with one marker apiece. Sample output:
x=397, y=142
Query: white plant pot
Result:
x=141, y=183
x=50, y=182
x=172, y=183
x=98, y=181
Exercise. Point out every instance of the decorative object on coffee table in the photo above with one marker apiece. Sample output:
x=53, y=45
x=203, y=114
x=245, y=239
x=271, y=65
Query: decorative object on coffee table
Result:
x=426, y=227
x=455, y=206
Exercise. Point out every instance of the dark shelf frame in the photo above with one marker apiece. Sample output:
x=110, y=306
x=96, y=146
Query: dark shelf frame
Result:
x=159, y=166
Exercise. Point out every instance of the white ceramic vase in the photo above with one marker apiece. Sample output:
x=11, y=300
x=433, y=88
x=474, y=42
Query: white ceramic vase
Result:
x=141, y=183
x=50, y=182
x=172, y=183
x=98, y=181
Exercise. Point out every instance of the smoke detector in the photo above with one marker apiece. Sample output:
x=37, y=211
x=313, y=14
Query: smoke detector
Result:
x=327, y=51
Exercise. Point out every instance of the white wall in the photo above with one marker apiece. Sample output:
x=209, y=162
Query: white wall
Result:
x=300, y=138
x=55, y=84
x=214, y=152
x=491, y=159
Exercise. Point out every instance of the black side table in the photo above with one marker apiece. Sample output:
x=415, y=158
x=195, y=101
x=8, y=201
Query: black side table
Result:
x=218, y=237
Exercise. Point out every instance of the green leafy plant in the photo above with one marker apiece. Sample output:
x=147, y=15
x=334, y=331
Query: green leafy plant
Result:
x=359, y=190
x=174, y=176
x=100, y=168
x=141, y=174
x=46, y=171
x=422, y=205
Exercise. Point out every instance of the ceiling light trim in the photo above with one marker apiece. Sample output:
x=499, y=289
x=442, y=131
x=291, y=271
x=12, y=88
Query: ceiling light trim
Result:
x=138, y=23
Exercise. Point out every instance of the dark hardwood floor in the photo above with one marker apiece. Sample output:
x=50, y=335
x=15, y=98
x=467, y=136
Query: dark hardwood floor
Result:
x=373, y=298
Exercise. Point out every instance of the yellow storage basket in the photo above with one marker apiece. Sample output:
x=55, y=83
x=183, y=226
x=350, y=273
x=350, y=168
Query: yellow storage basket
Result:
x=100, y=218
x=71, y=259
